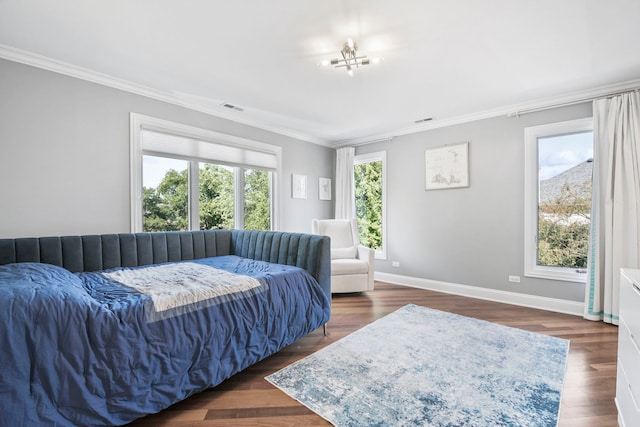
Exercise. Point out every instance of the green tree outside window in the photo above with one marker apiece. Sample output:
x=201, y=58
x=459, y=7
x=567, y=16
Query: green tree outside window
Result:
x=368, y=195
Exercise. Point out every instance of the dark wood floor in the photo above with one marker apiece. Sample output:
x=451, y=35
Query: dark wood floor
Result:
x=248, y=400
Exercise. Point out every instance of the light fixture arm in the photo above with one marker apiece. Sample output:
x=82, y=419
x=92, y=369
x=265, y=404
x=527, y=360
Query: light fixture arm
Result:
x=350, y=58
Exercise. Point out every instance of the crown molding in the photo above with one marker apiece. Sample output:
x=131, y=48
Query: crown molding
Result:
x=61, y=67
x=40, y=61
x=510, y=111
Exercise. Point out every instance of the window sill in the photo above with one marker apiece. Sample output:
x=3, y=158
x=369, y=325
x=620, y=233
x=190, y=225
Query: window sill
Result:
x=561, y=274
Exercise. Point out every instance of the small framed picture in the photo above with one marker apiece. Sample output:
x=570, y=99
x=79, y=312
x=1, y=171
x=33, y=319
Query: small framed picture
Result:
x=324, y=188
x=447, y=167
x=298, y=186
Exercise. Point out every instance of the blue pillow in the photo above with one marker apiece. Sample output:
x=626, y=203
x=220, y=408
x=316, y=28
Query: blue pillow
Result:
x=32, y=278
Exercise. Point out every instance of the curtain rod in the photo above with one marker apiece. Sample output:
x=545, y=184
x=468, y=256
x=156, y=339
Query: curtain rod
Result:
x=568, y=103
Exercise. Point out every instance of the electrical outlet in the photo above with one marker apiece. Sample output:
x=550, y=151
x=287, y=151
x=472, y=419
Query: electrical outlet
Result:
x=395, y=264
x=514, y=279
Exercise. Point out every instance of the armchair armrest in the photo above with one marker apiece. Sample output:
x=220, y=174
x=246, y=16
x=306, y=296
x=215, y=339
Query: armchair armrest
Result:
x=369, y=255
x=366, y=254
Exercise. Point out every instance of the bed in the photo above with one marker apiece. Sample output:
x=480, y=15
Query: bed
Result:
x=104, y=329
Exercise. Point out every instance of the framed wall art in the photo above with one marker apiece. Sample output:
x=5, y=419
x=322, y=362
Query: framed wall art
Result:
x=447, y=167
x=324, y=188
x=298, y=186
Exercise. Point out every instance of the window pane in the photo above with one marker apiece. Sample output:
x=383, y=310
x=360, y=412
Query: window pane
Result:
x=165, y=194
x=368, y=194
x=257, y=196
x=564, y=209
x=217, y=199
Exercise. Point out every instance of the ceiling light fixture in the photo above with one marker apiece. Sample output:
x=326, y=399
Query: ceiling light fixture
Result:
x=350, y=58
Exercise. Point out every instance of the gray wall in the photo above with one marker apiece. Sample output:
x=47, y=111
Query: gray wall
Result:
x=64, y=155
x=471, y=236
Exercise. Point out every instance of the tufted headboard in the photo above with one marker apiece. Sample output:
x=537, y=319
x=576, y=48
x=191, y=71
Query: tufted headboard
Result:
x=99, y=252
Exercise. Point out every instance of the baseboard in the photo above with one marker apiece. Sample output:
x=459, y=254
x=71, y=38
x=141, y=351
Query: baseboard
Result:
x=524, y=300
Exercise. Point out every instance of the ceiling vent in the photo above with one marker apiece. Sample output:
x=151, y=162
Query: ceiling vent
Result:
x=426, y=119
x=232, y=107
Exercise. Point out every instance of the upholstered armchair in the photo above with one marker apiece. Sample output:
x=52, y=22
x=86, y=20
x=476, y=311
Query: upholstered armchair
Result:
x=351, y=263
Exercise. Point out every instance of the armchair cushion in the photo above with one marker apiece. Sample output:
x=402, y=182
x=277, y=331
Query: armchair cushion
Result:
x=349, y=266
x=350, y=252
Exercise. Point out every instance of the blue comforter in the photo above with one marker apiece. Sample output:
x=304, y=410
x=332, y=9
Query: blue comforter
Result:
x=83, y=349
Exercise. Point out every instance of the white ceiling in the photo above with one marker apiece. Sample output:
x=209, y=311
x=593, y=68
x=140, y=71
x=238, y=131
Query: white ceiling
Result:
x=447, y=59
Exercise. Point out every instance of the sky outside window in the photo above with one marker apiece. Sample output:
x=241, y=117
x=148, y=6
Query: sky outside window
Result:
x=154, y=169
x=557, y=154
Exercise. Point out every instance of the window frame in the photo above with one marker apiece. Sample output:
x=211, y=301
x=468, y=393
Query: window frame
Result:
x=369, y=158
x=140, y=123
x=531, y=198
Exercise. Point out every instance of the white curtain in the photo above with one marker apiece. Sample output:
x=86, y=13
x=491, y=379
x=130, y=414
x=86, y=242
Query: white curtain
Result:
x=345, y=199
x=615, y=213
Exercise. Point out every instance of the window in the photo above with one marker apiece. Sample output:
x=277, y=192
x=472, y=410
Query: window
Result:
x=165, y=192
x=370, y=194
x=558, y=177
x=217, y=196
x=257, y=199
x=188, y=178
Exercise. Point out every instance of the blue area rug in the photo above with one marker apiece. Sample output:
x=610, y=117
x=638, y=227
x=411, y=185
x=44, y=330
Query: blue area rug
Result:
x=424, y=367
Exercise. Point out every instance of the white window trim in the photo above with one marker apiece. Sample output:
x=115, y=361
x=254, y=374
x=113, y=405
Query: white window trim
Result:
x=238, y=185
x=139, y=122
x=375, y=157
x=194, y=195
x=531, y=198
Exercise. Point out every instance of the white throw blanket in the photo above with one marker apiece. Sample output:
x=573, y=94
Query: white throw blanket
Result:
x=175, y=285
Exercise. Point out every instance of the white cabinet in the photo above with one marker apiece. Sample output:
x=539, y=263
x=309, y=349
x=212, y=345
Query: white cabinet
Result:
x=628, y=380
